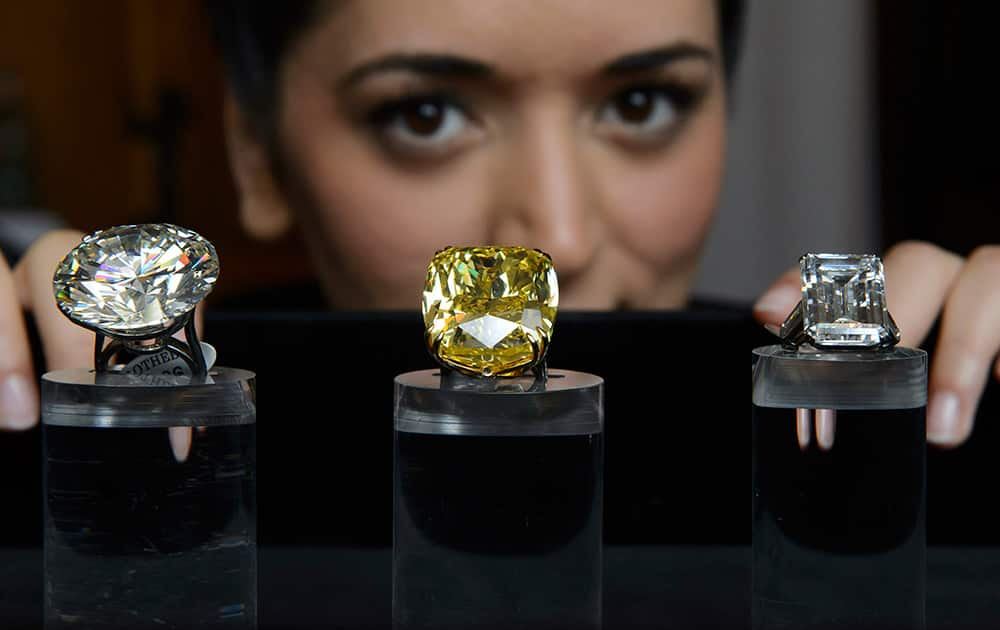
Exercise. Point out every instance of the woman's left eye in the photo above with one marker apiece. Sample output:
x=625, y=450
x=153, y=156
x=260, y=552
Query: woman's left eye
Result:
x=642, y=112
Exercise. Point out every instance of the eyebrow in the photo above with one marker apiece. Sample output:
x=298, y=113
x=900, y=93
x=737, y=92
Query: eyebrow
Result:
x=453, y=66
x=426, y=64
x=653, y=58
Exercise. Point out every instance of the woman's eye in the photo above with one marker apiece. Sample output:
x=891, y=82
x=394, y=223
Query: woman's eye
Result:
x=642, y=112
x=421, y=122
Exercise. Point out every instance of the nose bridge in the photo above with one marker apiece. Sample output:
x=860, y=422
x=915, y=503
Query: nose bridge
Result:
x=548, y=191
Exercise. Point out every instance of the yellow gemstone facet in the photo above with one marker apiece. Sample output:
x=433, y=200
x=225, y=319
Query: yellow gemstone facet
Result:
x=489, y=311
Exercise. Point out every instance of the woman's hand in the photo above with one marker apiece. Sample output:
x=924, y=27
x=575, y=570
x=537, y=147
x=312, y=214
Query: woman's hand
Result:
x=29, y=287
x=924, y=282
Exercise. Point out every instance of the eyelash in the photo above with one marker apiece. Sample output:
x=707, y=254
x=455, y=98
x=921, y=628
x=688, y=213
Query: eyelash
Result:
x=383, y=117
x=384, y=113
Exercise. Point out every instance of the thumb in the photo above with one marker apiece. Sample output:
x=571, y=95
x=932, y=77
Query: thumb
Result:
x=780, y=298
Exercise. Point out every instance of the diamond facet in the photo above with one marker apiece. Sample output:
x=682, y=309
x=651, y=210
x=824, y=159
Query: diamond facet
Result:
x=489, y=311
x=135, y=280
x=843, y=301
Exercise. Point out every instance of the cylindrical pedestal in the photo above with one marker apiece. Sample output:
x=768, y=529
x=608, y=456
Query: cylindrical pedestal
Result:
x=838, y=489
x=149, y=495
x=498, y=504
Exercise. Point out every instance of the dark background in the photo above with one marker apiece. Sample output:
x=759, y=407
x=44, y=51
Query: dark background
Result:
x=937, y=122
x=677, y=456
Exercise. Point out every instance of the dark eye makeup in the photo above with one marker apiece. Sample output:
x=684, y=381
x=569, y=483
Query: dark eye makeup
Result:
x=422, y=114
x=646, y=110
x=635, y=104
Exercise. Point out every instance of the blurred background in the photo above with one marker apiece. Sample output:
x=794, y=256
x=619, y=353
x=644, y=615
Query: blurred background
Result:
x=856, y=125
x=110, y=113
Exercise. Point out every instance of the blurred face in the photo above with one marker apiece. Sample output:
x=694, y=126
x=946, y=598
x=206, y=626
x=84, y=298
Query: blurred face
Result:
x=588, y=129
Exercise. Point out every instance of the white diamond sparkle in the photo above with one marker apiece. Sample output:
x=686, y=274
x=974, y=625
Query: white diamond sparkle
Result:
x=135, y=280
x=489, y=330
x=843, y=301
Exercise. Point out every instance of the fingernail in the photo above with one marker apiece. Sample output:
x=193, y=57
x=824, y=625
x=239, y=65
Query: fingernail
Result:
x=18, y=408
x=778, y=301
x=943, y=422
x=826, y=428
x=180, y=442
x=774, y=329
x=803, y=427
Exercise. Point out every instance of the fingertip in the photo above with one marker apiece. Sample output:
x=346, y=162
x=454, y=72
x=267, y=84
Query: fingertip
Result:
x=957, y=379
x=803, y=427
x=948, y=425
x=826, y=428
x=773, y=307
x=180, y=442
x=18, y=403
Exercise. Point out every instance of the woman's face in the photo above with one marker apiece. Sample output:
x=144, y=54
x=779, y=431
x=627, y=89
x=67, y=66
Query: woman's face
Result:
x=590, y=130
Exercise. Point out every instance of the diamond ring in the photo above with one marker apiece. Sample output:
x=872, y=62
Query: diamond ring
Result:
x=138, y=285
x=490, y=311
x=843, y=305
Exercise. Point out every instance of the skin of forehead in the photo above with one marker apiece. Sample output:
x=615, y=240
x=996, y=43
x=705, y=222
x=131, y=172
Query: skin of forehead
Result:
x=522, y=39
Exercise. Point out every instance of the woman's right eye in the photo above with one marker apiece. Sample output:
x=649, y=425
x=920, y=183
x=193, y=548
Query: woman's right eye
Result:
x=430, y=124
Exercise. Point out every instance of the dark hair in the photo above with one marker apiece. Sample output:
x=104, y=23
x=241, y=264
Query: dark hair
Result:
x=253, y=37
x=731, y=14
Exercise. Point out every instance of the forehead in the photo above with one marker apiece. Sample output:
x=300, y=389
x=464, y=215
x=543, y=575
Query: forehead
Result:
x=515, y=36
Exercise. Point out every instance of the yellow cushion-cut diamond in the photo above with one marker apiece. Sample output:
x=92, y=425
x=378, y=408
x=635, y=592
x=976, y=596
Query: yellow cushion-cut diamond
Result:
x=489, y=311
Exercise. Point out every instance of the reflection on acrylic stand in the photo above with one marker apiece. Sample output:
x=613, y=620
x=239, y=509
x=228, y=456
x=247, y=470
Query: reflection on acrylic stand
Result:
x=838, y=460
x=825, y=423
x=150, y=457
x=498, y=488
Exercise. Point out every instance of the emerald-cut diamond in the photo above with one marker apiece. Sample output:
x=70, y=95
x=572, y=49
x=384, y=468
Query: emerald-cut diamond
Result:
x=489, y=311
x=843, y=302
x=135, y=280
